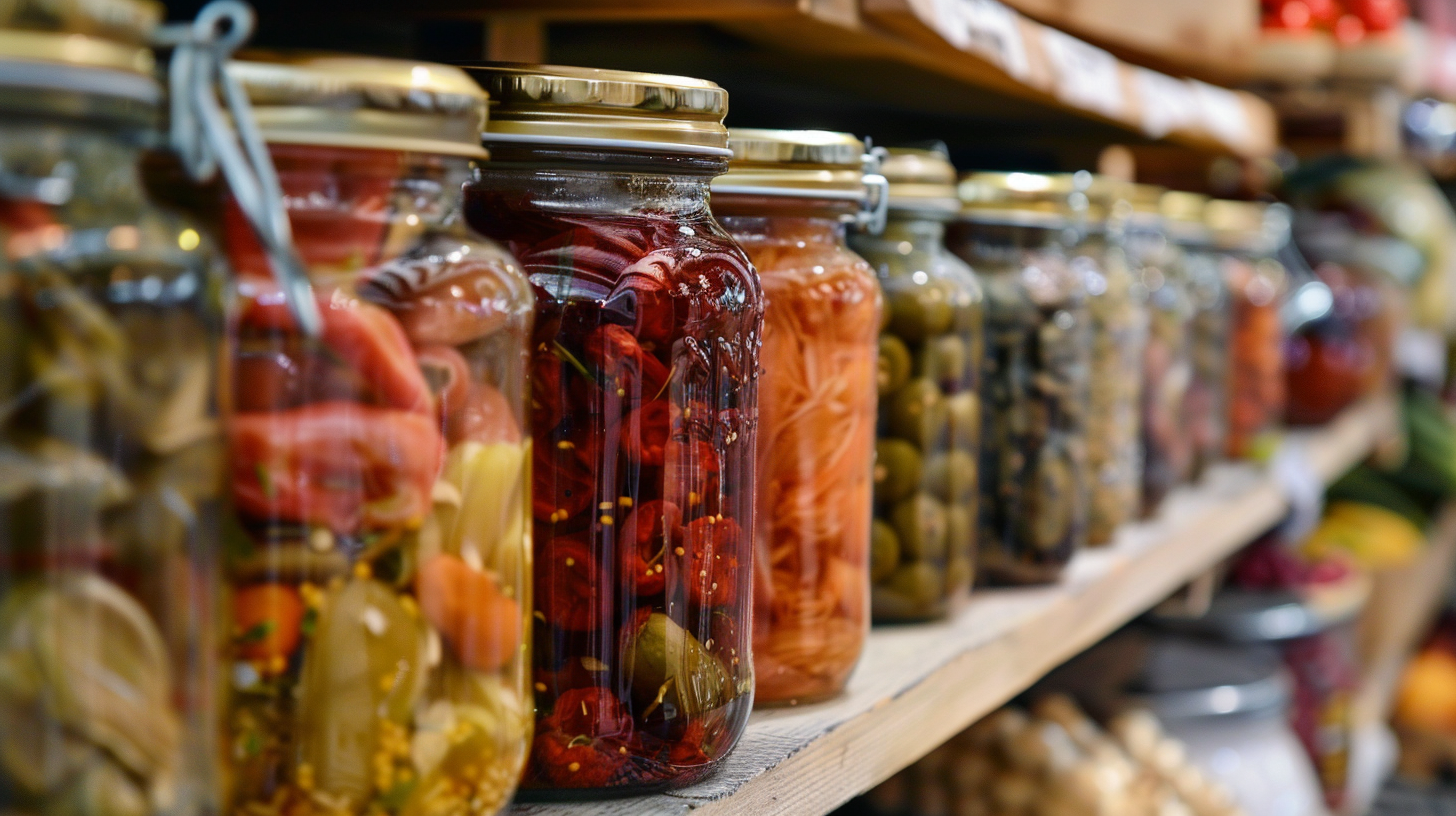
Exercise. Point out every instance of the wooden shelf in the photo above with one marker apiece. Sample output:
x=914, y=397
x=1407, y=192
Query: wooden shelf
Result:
x=978, y=45
x=919, y=685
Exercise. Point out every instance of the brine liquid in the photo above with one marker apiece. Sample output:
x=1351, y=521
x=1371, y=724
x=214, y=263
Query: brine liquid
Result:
x=644, y=368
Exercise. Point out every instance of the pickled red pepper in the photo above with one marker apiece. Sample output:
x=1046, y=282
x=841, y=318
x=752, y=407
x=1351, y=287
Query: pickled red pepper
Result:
x=644, y=365
x=816, y=444
x=379, y=606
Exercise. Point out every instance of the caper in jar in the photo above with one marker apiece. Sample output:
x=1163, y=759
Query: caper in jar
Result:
x=897, y=469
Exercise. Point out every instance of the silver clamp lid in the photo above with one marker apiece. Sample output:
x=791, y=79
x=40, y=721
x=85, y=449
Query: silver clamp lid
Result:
x=205, y=138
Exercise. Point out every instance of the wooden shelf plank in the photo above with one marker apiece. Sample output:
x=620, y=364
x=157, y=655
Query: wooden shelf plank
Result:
x=917, y=686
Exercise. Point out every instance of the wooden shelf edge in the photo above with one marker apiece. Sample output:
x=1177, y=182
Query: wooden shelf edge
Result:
x=917, y=686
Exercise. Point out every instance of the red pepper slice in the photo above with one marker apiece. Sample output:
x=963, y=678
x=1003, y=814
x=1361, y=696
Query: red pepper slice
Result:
x=448, y=377
x=546, y=396
x=344, y=465
x=644, y=433
x=564, y=475
x=365, y=336
x=690, y=476
x=652, y=530
x=563, y=761
x=644, y=293
x=709, y=564
x=633, y=374
x=592, y=711
x=571, y=590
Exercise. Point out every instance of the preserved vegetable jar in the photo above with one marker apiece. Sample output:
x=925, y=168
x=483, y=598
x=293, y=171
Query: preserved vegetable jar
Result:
x=1197, y=266
x=787, y=199
x=110, y=438
x=1167, y=358
x=1038, y=352
x=1119, y=318
x=923, y=538
x=644, y=407
x=379, y=573
x=1333, y=361
x=1247, y=235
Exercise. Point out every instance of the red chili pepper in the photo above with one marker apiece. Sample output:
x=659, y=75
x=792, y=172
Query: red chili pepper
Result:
x=365, y=336
x=690, y=475
x=546, y=396
x=709, y=564
x=563, y=475
x=652, y=530
x=633, y=374
x=571, y=590
x=344, y=465
x=592, y=711
x=644, y=433
x=564, y=761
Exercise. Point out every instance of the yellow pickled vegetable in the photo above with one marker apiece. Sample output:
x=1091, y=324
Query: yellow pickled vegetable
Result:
x=1378, y=538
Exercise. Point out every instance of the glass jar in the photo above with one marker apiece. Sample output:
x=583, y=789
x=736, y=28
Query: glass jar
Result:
x=1335, y=360
x=1118, y=311
x=1037, y=362
x=379, y=571
x=786, y=199
x=923, y=538
x=1205, y=404
x=111, y=438
x=1256, y=283
x=644, y=369
x=1167, y=368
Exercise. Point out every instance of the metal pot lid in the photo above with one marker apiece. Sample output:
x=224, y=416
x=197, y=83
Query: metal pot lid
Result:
x=1261, y=616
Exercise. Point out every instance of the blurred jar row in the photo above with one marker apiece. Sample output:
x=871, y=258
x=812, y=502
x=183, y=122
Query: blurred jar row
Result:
x=575, y=468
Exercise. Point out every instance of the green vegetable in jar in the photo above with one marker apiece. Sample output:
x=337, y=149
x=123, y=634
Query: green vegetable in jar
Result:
x=884, y=551
x=943, y=360
x=364, y=666
x=672, y=671
x=917, y=413
x=951, y=476
x=920, y=524
x=894, y=365
x=963, y=414
x=917, y=311
x=897, y=471
x=1050, y=502
x=914, y=590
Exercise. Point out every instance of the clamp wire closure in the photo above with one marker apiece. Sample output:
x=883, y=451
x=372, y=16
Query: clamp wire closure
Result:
x=871, y=217
x=206, y=140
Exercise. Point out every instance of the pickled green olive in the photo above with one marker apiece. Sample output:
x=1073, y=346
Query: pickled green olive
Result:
x=917, y=413
x=1049, y=506
x=898, y=469
x=952, y=476
x=960, y=530
x=919, y=311
x=884, y=551
x=670, y=665
x=894, y=365
x=943, y=359
x=920, y=523
x=963, y=414
x=919, y=584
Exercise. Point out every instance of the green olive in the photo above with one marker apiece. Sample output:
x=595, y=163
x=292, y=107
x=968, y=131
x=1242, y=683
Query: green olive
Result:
x=897, y=470
x=884, y=551
x=894, y=364
x=671, y=666
x=1050, y=501
x=914, y=591
x=943, y=360
x=919, y=521
x=919, y=311
x=960, y=532
x=917, y=413
x=952, y=476
x=963, y=414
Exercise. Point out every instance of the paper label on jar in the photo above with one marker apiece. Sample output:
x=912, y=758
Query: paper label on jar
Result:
x=1168, y=104
x=1087, y=77
x=1301, y=483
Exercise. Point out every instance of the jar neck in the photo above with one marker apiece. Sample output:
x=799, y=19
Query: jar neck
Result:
x=742, y=205
x=46, y=156
x=587, y=189
x=804, y=232
x=1001, y=246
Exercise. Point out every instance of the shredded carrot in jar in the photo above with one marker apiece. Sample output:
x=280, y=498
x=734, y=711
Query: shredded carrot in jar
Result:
x=816, y=447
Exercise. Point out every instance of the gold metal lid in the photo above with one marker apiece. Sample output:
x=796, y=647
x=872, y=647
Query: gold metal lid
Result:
x=920, y=180
x=62, y=44
x=1183, y=216
x=818, y=164
x=1018, y=199
x=364, y=102
x=593, y=107
x=1238, y=225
